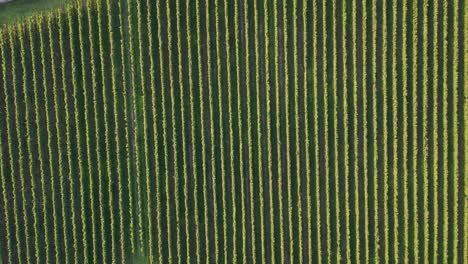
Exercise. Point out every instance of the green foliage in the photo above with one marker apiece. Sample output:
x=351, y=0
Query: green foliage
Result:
x=16, y=10
x=143, y=131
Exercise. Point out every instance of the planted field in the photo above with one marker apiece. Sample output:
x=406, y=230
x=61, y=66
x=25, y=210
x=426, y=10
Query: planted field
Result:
x=242, y=131
x=12, y=11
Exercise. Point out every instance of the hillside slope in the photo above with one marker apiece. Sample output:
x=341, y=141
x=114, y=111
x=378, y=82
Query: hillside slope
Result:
x=139, y=131
x=12, y=11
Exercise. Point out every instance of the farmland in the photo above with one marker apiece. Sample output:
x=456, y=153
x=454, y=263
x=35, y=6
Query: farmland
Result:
x=140, y=131
x=14, y=10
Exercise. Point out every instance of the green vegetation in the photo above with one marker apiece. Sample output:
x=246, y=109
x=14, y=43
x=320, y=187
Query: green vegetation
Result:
x=140, y=131
x=20, y=9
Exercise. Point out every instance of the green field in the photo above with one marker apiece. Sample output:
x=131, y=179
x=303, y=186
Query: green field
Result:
x=140, y=131
x=17, y=9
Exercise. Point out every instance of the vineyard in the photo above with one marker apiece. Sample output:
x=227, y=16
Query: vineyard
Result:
x=12, y=11
x=243, y=131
